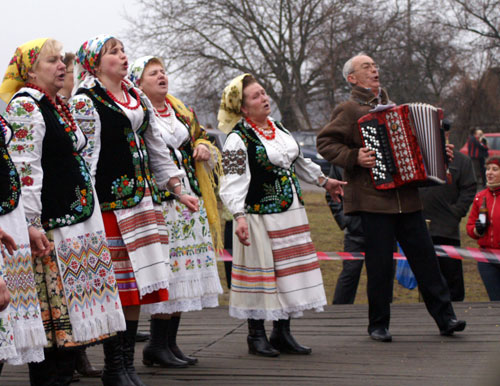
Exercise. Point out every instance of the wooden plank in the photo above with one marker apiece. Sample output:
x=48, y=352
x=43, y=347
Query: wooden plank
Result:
x=343, y=354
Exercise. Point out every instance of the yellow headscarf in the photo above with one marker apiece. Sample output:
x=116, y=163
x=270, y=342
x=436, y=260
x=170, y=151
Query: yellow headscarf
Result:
x=230, y=104
x=17, y=71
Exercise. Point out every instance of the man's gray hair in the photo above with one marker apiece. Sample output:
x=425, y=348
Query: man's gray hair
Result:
x=348, y=67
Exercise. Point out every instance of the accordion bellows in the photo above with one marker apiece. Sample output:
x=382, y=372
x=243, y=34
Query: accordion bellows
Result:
x=409, y=145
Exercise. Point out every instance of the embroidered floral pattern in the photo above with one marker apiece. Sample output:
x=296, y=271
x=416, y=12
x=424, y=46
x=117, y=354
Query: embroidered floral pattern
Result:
x=8, y=202
x=122, y=187
x=233, y=161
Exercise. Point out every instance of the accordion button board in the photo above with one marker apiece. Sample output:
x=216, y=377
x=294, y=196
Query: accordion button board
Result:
x=392, y=135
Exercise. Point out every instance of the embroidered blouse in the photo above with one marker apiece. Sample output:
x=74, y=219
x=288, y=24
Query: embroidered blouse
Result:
x=282, y=151
x=87, y=117
x=25, y=148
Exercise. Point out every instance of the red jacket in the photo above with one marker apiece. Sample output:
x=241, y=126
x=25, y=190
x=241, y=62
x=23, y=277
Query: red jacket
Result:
x=491, y=238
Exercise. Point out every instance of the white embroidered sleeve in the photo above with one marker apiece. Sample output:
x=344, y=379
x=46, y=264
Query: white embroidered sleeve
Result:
x=307, y=170
x=87, y=118
x=236, y=179
x=25, y=149
x=160, y=159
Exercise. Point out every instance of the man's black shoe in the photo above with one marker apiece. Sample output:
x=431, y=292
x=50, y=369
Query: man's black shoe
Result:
x=452, y=326
x=381, y=335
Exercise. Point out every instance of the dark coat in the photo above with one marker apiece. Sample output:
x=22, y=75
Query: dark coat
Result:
x=445, y=205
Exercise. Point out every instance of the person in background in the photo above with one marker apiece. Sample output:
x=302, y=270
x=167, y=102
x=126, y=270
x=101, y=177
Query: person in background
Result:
x=445, y=206
x=275, y=272
x=477, y=149
x=483, y=225
x=193, y=237
x=386, y=214
x=67, y=88
x=75, y=282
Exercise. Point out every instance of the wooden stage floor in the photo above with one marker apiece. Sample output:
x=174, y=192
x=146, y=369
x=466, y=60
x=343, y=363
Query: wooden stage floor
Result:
x=342, y=354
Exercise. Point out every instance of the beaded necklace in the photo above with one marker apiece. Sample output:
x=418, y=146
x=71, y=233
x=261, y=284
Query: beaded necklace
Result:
x=166, y=112
x=127, y=102
x=60, y=107
x=3, y=126
x=268, y=134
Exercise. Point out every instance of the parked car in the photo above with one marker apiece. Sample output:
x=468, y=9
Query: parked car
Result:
x=307, y=142
x=493, y=140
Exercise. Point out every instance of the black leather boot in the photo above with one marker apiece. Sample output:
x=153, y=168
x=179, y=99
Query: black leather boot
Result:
x=157, y=350
x=44, y=373
x=83, y=365
x=114, y=373
x=282, y=339
x=128, y=351
x=257, y=339
x=173, y=327
x=66, y=365
x=1, y=367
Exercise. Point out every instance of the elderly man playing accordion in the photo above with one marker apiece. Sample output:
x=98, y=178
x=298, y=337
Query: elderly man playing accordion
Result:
x=386, y=214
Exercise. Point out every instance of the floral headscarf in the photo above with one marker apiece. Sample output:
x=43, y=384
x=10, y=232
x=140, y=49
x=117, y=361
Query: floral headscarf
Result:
x=230, y=104
x=17, y=71
x=86, y=58
x=137, y=68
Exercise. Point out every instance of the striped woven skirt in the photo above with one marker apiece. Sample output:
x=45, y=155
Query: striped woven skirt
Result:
x=278, y=275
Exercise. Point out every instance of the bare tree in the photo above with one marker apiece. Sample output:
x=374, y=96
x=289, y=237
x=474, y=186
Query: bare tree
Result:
x=212, y=40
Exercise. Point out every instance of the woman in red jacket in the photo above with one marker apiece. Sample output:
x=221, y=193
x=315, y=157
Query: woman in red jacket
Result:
x=487, y=230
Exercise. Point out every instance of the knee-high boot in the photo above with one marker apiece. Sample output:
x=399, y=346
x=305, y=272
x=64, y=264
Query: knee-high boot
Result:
x=257, y=339
x=114, y=373
x=44, y=373
x=157, y=350
x=282, y=339
x=128, y=351
x=173, y=327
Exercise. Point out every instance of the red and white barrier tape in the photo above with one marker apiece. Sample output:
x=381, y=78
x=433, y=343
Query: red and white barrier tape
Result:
x=482, y=255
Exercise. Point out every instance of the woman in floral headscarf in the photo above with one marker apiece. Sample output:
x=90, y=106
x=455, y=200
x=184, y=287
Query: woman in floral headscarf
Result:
x=275, y=272
x=194, y=281
x=76, y=283
x=123, y=152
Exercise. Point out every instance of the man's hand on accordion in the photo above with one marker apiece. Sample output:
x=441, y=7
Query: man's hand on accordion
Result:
x=449, y=151
x=334, y=187
x=366, y=157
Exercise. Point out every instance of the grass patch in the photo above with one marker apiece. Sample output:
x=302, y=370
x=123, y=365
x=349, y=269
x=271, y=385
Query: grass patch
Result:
x=328, y=237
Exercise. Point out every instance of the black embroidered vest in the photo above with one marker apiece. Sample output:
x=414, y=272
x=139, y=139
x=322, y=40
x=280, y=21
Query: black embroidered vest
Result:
x=67, y=196
x=10, y=187
x=123, y=167
x=270, y=189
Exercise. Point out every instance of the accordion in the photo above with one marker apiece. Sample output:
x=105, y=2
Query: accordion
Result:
x=409, y=145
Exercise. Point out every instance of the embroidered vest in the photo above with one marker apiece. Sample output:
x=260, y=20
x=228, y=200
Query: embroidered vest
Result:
x=123, y=165
x=67, y=196
x=10, y=187
x=270, y=189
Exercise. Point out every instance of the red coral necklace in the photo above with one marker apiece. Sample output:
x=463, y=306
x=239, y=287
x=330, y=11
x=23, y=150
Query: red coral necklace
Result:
x=60, y=107
x=165, y=112
x=127, y=102
x=268, y=134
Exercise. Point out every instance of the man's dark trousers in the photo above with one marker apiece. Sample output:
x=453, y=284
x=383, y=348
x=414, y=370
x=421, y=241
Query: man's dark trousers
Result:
x=410, y=231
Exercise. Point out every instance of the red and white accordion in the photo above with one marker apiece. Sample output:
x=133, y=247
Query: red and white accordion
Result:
x=409, y=145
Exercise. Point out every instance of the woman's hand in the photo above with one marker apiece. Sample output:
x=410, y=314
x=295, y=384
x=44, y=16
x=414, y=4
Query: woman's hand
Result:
x=191, y=202
x=335, y=188
x=242, y=230
x=7, y=241
x=4, y=295
x=201, y=153
x=40, y=245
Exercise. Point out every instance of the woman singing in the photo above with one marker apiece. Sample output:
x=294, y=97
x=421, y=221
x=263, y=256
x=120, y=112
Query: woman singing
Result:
x=76, y=284
x=194, y=281
x=129, y=164
x=275, y=274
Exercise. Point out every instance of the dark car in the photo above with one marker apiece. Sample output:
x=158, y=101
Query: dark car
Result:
x=307, y=142
x=217, y=137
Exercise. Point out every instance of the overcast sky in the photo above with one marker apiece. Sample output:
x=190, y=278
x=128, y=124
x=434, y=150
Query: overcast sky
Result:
x=70, y=21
